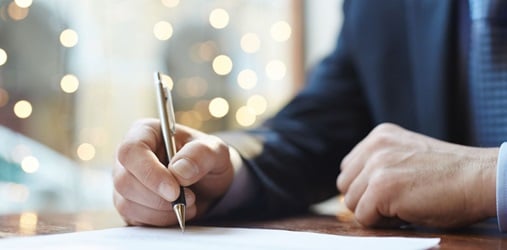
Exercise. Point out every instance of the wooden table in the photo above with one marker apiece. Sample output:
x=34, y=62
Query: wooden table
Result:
x=480, y=236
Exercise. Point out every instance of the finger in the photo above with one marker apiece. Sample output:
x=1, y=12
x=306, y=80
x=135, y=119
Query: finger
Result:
x=130, y=188
x=137, y=214
x=203, y=157
x=137, y=155
x=366, y=212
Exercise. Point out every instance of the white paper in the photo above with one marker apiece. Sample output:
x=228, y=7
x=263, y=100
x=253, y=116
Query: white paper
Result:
x=210, y=238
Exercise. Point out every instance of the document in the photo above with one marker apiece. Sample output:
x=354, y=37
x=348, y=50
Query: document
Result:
x=210, y=238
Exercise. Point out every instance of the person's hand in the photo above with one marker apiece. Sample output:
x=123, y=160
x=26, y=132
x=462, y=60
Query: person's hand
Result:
x=144, y=187
x=395, y=175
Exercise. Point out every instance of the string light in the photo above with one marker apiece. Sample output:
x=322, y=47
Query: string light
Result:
x=86, y=151
x=30, y=164
x=23, y=109
x=69, y=83
x=23, y=3
x=250, y=43
x=168, y=81
x=218, y=107
x=170, y=3
x=163, y=30
x=222, y=65
x=16, y=13
x=17, y=192
x=247, y=79
x=257, y=104
x=276, y=70
x=281, y=31
x=28, y=222
x=219, y=18
x=3, y=57
x=245, y=117
x=69, y=38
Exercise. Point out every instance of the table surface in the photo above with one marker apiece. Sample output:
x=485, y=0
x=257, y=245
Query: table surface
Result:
x=484, y=235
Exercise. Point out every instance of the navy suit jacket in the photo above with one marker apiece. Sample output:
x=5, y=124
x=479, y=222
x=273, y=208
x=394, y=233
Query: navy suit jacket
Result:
x=392, y=63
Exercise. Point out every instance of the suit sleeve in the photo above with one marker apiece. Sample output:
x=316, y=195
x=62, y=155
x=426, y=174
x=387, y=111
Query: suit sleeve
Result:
x=294, y=157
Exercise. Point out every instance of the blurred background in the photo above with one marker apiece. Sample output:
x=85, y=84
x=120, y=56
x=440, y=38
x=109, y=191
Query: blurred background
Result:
x=75, y=75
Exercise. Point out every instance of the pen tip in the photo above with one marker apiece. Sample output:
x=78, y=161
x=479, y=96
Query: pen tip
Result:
x=179, y=210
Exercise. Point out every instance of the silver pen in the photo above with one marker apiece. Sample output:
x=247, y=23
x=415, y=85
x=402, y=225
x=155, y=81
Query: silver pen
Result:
x=168, y=127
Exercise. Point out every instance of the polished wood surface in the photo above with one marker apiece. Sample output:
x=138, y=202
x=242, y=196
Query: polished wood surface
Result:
x=484, y=235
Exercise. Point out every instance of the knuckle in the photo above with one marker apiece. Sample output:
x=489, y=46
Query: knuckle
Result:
x=122, y=206
x=124, y=150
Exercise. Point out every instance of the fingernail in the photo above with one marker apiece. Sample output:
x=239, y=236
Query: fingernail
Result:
x=166, y=191
x=185, y=169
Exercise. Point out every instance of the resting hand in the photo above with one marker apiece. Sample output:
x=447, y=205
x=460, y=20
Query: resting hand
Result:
x=144, y=187
x=395, y=174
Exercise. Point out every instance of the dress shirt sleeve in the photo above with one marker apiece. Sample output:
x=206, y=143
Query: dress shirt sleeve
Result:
x=501, y=188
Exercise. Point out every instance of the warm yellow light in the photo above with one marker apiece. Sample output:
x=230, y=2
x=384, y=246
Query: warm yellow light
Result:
x=170, y=3
x=218, y=107
x=257, y=104
x=245, y=117
x=3, y=57
x=28, y=223
x=207, y=50
x=250, y=43
x=168, y=81
x=191, y=118
x=4, y=97
x=219, y=18
x=23, y=3
x=281, y=31
x=17, y=13
x=247, y=79
x=69, y=83
x=23, y=109
x=276, y=70
x=222, y=65
x=163, y=30
x=86, y=151
x=202, y=108
x=69, y=38
x=30, y=164
x=196, y=86
x=17, y=192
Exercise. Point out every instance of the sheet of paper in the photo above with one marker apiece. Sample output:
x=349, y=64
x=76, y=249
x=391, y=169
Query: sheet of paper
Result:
x=210, y=238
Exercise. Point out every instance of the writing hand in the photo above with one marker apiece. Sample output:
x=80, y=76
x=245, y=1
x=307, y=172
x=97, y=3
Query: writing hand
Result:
x=144, y=187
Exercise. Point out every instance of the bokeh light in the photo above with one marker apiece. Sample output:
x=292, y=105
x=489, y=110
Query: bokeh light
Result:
x=167, y=81
x=69, y=38
x=17, y=192
x=257, y=104
x=218, y=107
x=170, y=3
x=23, y=3
x=28, y=223
x=250, y=43
x=30, y=164
x=17, y=13
x=23, y=109
x=222, y=65
x=4, y=97
x=245, y=117
x=86, y=151
x=281, y=31
x=247, y=79
x=69, y=83
x=276, y=70
x=163, y=30
x=219, y=18
x=3, y=57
